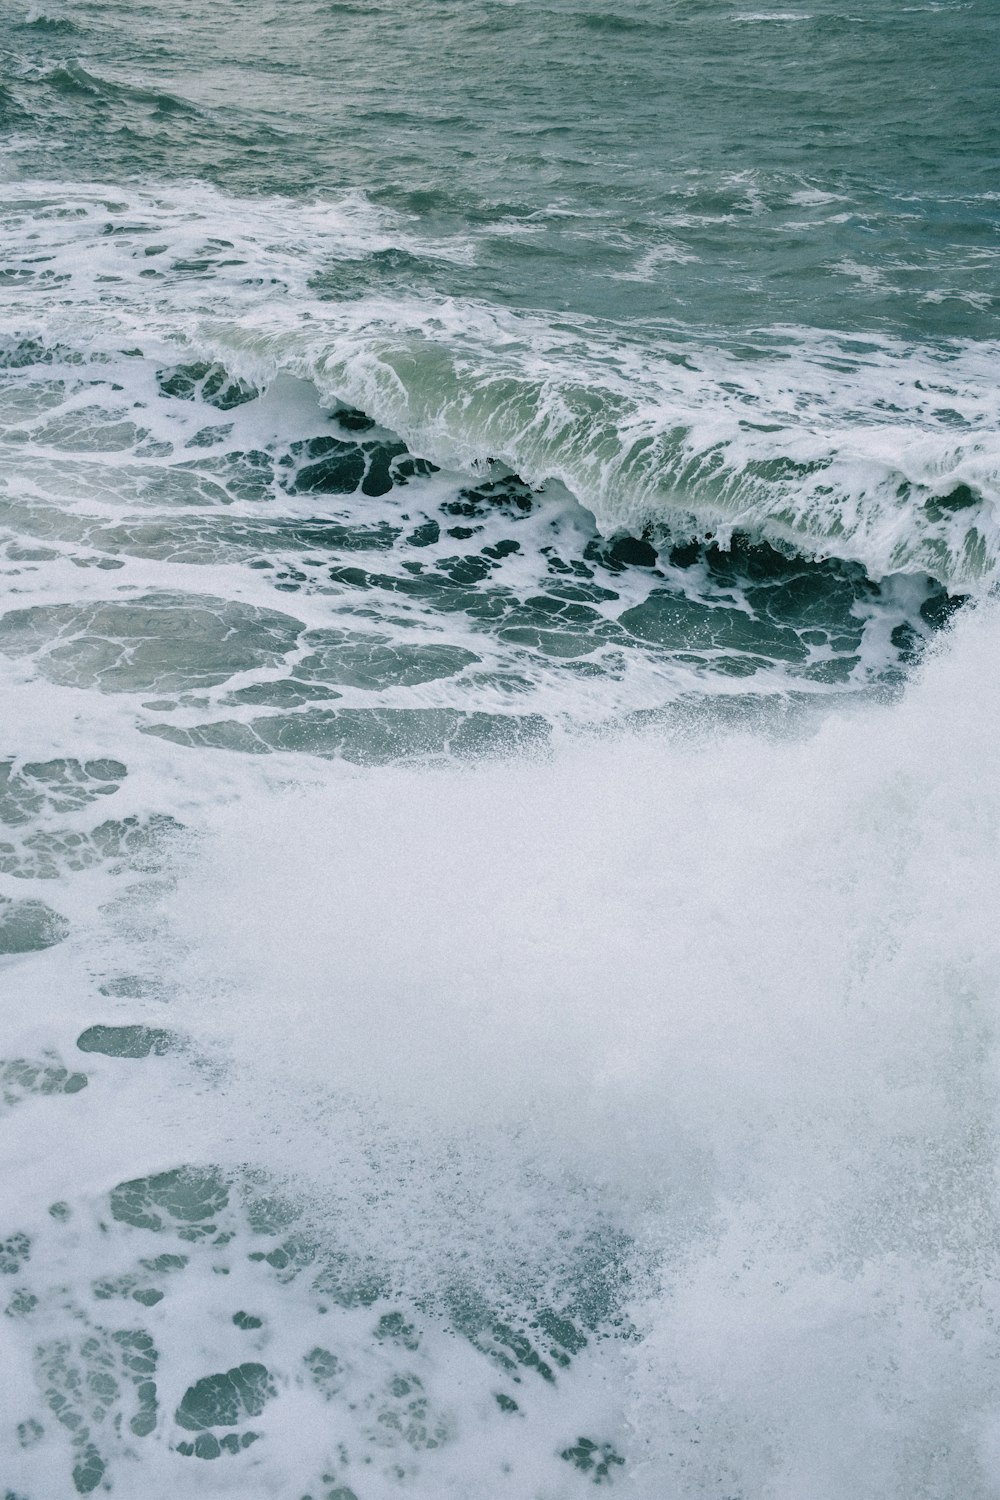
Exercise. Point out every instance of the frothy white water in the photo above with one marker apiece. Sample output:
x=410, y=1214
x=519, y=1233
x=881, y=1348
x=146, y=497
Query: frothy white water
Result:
x=867, y=449
x=739, y=995
x=692, y=1034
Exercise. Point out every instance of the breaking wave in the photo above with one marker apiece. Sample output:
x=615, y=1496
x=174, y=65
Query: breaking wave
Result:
x=866, y=449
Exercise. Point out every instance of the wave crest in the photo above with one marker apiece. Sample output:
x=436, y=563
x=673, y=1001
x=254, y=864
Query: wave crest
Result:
x=877, y=451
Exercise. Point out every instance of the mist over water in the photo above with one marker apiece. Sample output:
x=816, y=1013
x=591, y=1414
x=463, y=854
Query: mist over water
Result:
x=736, y=994
x=499, y=812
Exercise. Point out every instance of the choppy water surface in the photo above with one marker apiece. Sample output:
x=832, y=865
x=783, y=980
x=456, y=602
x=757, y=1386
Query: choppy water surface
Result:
x=498, y=781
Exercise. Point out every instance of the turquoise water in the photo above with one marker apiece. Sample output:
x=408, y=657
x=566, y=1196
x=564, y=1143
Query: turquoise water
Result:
x=498, y=781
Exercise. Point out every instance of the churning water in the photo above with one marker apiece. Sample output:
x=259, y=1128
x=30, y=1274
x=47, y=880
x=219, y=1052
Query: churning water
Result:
x=499, y=796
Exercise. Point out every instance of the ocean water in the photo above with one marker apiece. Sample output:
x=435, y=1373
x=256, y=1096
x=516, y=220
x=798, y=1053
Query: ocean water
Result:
x=499, y=787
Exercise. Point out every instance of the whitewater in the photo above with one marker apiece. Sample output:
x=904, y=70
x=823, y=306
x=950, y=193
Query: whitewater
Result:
x=499, y=796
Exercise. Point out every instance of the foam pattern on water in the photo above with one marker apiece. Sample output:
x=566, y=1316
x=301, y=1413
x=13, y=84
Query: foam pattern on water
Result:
x=347, y=1160
x=303, y=583
x=862, y=448
x=409, y=1083
x=172, y=1316
x=498, y=959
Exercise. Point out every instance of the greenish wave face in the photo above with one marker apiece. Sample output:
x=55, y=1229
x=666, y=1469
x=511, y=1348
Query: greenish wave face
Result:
x=499, y=522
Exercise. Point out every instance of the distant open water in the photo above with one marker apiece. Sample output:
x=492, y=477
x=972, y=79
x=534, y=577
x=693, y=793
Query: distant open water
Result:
x=499, y=798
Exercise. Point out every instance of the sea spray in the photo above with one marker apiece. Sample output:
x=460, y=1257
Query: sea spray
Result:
x=498, y=526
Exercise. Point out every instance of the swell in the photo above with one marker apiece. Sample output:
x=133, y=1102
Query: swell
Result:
x=876, y=450
x=72, y=78
x=787, y=446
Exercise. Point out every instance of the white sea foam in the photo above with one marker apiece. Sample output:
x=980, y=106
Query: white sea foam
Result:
x=873, y=450
x=756, y=16
x=739, y=994
x=569, y=1060
x=728, y=998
